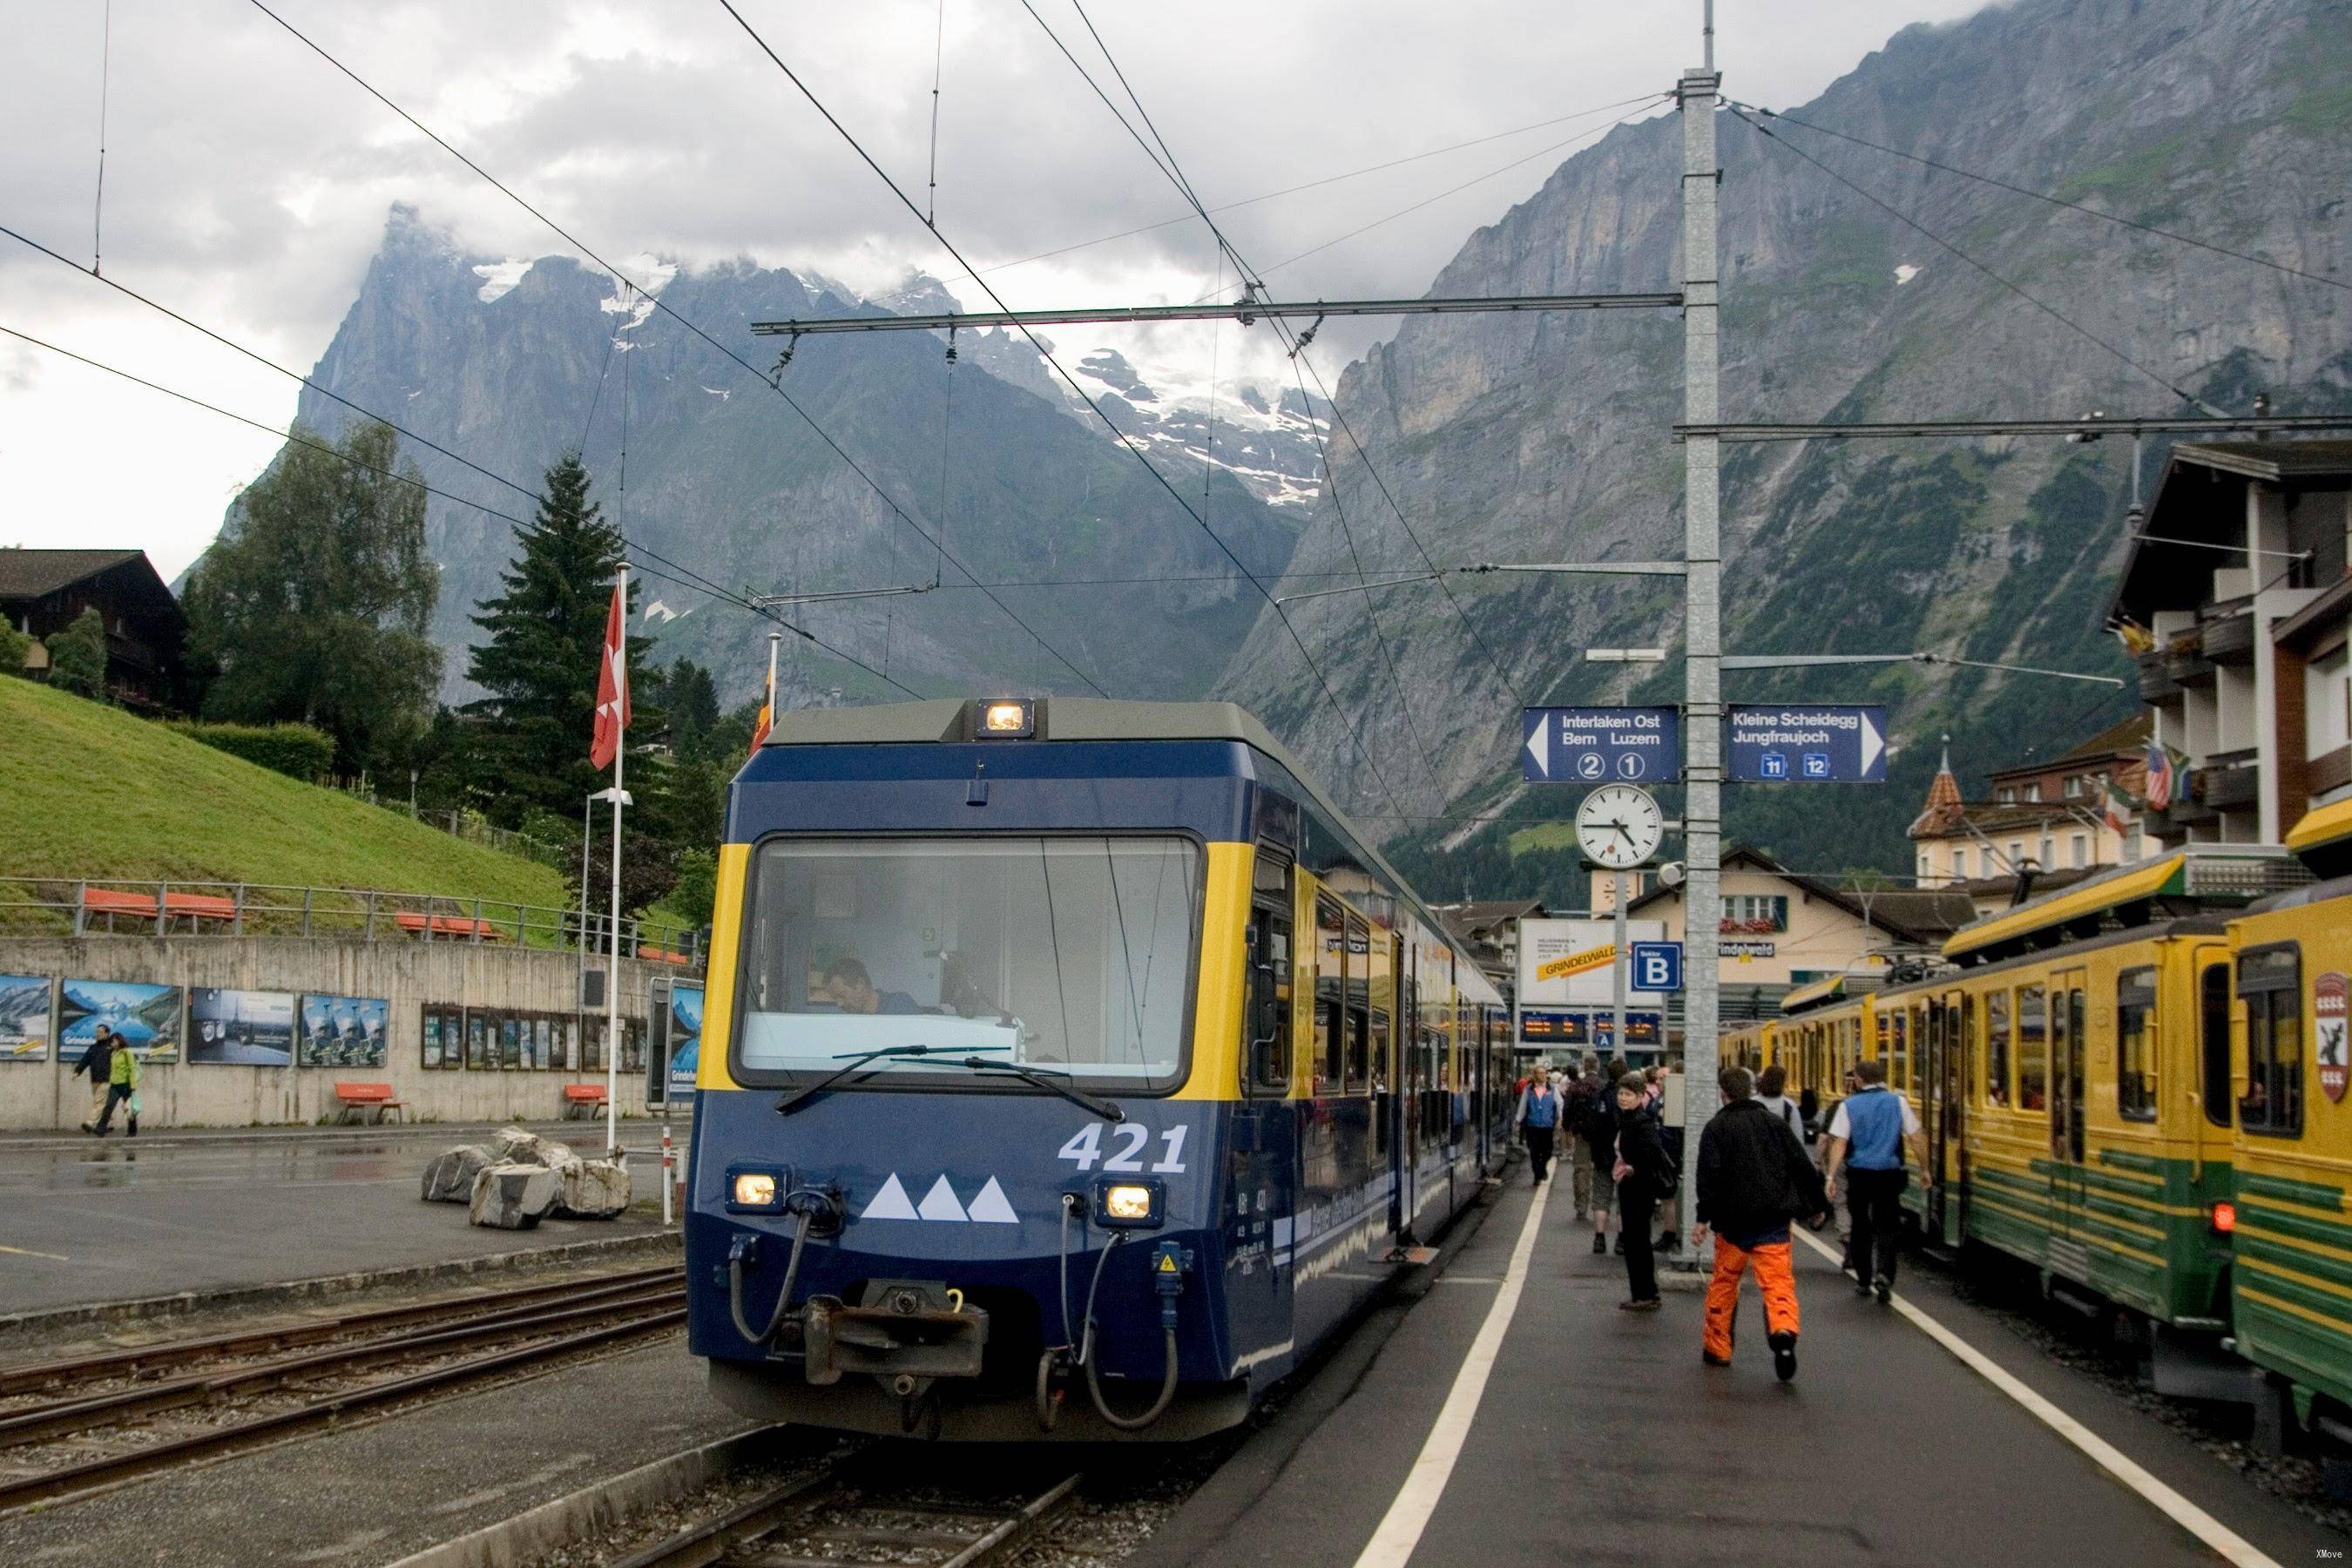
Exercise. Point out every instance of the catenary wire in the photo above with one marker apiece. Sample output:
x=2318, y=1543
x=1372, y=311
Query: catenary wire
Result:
x=523, y=525
x=2134, y=224
x=2048, y=310
x=1124, y=439
x=667, y=308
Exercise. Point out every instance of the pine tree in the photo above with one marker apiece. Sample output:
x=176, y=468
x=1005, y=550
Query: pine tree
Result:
x=540, y=655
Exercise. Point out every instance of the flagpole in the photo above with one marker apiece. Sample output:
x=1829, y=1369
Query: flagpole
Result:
x=775, y=641
x=612, y=982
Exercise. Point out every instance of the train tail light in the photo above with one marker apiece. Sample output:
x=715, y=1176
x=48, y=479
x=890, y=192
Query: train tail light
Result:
x=2224, y=1218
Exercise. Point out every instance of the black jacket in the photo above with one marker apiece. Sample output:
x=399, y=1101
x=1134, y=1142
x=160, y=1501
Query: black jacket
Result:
x=1639, y=1145
x=1753, y=1173
x=98, y=1060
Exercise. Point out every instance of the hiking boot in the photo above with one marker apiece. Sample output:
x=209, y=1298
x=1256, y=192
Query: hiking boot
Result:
x=1710, y=1359
x=88, y=1129
x=1600, y=1245
x=1886, y=1289
x=1784, y=1356
x=1862, y=1289
x=1620, y=1243
x=1645, y=1304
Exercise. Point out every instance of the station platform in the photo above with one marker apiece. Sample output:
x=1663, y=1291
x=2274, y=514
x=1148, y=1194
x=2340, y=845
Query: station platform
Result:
x=1514, y=1415
x=85, y=1221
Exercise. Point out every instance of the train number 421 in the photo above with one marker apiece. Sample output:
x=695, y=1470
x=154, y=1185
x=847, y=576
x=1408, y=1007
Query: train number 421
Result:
x=1128, y=1142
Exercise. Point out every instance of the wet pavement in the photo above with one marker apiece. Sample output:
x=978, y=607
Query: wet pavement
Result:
x=84, y=1221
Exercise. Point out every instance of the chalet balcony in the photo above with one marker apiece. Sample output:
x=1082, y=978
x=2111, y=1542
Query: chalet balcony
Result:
x=2155, y=681
x=2229, y=781
x=2185, y=659
x=2227, y=633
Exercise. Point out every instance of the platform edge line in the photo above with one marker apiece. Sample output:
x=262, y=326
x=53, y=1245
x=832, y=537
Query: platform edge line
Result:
x=2209, y=1531
x=1400, y=1530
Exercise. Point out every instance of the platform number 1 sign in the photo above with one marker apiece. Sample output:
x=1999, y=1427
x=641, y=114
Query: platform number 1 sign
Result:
x=2331, y=1002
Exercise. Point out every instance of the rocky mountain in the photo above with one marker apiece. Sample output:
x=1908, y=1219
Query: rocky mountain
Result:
x=1856, y=286
x=511, y=361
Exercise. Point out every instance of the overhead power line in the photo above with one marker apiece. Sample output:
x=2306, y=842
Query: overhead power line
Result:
x=667, y=310
x=2118, y=220
x=1161, y=480
x=1246, y=311
x=2037, y=302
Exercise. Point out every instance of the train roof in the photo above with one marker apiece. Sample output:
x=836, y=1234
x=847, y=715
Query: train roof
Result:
x=938, y=720
x=2234, y=873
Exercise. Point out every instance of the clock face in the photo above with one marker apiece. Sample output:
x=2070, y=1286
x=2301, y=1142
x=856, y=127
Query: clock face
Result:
x=1619, y=827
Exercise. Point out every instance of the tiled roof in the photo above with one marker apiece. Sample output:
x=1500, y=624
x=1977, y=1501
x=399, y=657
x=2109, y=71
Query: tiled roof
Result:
x=34, y=574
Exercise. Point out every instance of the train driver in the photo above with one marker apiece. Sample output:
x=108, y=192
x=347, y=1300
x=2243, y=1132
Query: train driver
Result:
x=850, y=988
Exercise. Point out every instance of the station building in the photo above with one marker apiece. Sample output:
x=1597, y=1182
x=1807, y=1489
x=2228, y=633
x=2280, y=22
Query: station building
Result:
x=2235, y=598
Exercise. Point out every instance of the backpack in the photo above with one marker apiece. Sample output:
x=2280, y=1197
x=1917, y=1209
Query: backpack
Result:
x=1596, y=1117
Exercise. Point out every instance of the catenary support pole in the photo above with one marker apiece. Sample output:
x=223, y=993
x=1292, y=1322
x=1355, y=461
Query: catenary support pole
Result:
x=1703, y=630
x=1617, y=969
x=613, y=980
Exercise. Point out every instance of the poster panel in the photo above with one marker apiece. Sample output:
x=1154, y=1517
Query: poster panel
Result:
x=1567, y=963
x=147, y=1016
x=24, y=1018
x=685, y=1039
x=241, y=1028
x=342, y=1031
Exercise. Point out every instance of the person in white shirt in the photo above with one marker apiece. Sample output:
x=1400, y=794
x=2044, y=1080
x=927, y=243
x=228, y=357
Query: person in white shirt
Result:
x=1772, y=1085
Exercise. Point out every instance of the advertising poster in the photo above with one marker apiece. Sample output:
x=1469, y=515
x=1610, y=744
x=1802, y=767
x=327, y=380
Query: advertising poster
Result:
x=241, y=1028
x=148, y=1017
x=343, y=1031
x=1569, y=962
x=685, y=1039
x=24, y=1018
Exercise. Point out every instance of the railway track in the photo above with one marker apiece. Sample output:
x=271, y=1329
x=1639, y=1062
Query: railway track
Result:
x=98, y=1420
x=847, y=1514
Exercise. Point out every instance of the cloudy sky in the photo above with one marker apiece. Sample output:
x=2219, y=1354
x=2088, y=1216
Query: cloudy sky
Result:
x=247, y=180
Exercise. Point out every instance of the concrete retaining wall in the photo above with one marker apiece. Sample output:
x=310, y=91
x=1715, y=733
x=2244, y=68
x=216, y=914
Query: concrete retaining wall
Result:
x=410, y=975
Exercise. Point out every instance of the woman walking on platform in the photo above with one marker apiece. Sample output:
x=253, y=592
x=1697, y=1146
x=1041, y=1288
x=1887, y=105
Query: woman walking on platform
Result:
x=1643, y=1174
x=1537, y=1118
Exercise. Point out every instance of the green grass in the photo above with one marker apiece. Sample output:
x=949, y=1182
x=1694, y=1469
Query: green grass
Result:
x=91, y=791
x=1546, y=835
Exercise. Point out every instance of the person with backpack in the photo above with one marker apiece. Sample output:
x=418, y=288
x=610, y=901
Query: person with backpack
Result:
x=1645, y=1175
x=1575, y=1094
x=1538, y=1120
x=1772, y=1093
x=1596, y=1156
x=123, y=1075
x=97, y=1060
x=1754, y=1177
x=1876, y=1124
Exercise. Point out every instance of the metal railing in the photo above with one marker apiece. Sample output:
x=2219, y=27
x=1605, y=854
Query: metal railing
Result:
x=46, y=906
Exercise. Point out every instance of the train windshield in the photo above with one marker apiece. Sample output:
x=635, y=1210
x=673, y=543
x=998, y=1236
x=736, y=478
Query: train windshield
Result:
x=1072, y=954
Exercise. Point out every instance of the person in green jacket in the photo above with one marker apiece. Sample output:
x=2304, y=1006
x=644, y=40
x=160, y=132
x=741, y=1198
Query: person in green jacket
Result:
x=122, y=1077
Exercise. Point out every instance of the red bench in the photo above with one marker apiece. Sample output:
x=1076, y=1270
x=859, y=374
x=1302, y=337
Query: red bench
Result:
x=194, y=907
x=464, y=927
x=581, y=1102
x=366, y=1102
x=653, y=954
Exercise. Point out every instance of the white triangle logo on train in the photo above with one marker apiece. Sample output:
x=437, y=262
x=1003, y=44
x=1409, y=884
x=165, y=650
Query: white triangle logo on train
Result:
x=991, y=1207
x=940, y=1203
x=890, y=1203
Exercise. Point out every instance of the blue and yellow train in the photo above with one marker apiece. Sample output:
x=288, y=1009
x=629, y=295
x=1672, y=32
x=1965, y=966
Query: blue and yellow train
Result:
x=1071, y=1068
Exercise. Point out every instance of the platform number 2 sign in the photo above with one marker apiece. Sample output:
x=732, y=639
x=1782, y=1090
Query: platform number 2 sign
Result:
x=1129, y=1140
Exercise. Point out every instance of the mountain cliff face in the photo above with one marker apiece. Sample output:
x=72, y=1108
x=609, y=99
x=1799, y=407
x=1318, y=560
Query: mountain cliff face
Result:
x=511, y=361
x=1520, y=438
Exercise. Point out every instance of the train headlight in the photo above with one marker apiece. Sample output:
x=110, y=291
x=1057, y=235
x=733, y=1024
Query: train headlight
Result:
x=754, y=1190
x=1008, y=719
x=1127, y=1205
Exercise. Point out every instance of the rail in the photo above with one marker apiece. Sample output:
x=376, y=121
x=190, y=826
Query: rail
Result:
x=48, y=906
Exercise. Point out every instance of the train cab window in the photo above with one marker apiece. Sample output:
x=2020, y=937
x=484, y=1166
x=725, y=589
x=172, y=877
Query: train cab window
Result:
x=1996, y=1012
x=1077, y=953
x=2136, y=1053
x=2032, y=1049
x=2269, y=982
x=1330, y=991
x=2213, y=1039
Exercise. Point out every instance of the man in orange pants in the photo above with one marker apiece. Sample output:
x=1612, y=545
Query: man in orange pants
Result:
x=1754, y=1177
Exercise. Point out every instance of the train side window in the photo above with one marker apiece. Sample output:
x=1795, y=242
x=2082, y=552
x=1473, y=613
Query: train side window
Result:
x=1330, y=989
x=1268, y=1046
x=2032, y=1049
x=1901, y=1074
x=2136, y=1054
x=1996, y=1012
x=2269, y=982
x=1361, y=965
x=2213, y=1039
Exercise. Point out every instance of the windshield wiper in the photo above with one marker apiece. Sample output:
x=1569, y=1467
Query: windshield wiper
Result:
x=792, y=1102
x=1048, y=1079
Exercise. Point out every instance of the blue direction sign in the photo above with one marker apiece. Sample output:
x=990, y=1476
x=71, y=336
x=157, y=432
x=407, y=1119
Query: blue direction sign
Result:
x=1601, y=745
x=1804, y=743
x=1657, y=966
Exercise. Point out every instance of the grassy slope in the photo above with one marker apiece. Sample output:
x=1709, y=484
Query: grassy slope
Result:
x=90, y=791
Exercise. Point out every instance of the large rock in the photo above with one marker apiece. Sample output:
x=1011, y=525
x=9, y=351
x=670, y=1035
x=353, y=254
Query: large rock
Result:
x=450, y=1178
x=514, y=1196
x=513, y=1146
x=593, y=1189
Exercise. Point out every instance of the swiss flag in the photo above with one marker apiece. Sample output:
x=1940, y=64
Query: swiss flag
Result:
x=612, y=687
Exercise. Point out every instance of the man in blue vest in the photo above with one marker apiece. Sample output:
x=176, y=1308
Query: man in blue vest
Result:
x=1873, y=1125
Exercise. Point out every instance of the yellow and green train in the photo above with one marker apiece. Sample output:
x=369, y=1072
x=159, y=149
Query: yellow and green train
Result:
x=2137, y=1086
